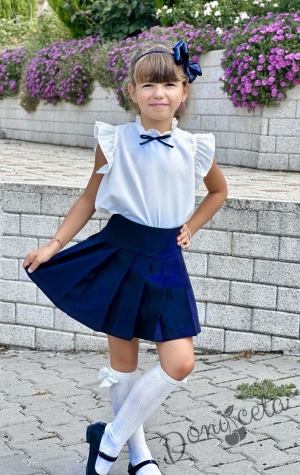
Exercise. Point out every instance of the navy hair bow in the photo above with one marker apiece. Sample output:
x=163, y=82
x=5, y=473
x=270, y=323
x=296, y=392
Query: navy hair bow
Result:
x=181, y=56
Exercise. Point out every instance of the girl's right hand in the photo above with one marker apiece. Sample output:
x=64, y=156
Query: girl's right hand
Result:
x=37, y=257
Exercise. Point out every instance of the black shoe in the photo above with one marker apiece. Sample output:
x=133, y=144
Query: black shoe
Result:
x=132, y=470
x=94, y=435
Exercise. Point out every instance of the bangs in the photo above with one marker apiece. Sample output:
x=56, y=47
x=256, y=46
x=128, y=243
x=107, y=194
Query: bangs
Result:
x=158, y=68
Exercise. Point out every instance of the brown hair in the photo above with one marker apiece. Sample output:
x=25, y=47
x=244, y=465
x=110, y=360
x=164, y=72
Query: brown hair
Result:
x=154, y=67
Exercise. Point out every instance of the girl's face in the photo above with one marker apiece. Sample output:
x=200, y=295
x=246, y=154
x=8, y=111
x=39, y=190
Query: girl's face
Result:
x=158, y=101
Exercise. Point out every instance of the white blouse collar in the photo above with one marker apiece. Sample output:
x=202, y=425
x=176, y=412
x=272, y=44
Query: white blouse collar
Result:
x=150, y=131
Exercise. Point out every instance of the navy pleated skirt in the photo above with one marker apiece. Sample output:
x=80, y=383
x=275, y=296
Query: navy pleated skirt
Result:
x=129, y=280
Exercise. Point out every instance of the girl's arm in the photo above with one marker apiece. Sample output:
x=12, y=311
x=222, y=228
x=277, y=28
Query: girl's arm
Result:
x=217, y=193
x=80, y=213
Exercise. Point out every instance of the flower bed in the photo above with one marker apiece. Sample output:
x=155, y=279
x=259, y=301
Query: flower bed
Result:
x=61, y=71
x=262, y=61
x=11, y=66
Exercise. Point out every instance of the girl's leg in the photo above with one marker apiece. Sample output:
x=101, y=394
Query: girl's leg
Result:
x=123, y=365
x=147, y=394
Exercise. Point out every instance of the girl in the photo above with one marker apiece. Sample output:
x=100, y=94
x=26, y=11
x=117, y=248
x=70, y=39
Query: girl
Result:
x=130, y=280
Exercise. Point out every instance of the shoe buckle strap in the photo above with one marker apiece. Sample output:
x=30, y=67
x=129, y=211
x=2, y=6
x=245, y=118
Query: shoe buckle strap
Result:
x=107, y=457
x=133, y=470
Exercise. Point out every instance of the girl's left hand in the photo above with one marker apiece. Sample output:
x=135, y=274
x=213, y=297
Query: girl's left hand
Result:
x=183, y=239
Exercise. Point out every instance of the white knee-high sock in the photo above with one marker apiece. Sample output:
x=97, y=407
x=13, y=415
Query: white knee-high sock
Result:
x=121, y=384
x=147, y=394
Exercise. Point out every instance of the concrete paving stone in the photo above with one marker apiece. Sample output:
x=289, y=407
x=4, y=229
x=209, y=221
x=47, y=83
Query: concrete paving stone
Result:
x=57, y=361
x=208, y=454
x=95, y=363
x=264, y=454
x=39, y=379
x=17, y=392
x=183, y=466
x=38, y=402
x=220, y=375
x=40, y=450
x=83, y=378
x=257, y=370
x=252, y=415
x=4, y=404
x=103, y=414
x=162, y=418
x=11, y=416
x=26, y=431
x=200, y=417
x=243, y=467
x=82, y=450
x=72, y=433
x=5, y=450
x=201, y=387
x=26, y=354
x=80, y=401
x=196, y=375
x=16, y=465
x=222, y=399
x=285, y=365
x=265, y=356
x=213, y=359
x=65, y=369
x=292, y=414
x=287, y=434
x=288, y=469
x=183, y=400
x=202, y=366
x=181, y=427
x=64, y=388
x=63, y=466
x=9, y=379
x=234, y=384
x=294, y=451
x=22, y=367
x=54, y=418
x=250, y=437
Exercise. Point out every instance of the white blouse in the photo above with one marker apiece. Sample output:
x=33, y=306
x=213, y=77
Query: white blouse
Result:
x=151, y=184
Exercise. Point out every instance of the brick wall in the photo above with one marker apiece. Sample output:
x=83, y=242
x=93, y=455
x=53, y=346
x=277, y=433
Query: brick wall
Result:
x=267, y=139
x=244, y=266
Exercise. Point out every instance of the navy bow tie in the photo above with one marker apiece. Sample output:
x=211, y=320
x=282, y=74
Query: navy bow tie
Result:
x=160, y=138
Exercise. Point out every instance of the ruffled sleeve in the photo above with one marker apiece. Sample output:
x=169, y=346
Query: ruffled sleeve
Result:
x=204, y=155
x=104, y=135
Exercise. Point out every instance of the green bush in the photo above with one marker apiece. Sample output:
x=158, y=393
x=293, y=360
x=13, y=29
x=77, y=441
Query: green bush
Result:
x=68, y=12
x=118, y=19
x=35, y=33
x=12, y=8
x=112, y=19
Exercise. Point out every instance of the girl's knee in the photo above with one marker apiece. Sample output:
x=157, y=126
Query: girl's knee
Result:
x=185, y=368
x=180, y=370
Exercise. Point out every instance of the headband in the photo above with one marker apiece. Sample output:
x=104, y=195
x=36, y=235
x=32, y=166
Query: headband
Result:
x=181, y=56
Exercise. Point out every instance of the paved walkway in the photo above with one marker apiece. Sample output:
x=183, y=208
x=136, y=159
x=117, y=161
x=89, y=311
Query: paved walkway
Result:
x=28, y=162
x=48, y=399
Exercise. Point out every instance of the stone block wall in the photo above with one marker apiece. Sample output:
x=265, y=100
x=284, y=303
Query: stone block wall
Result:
x=267, y=139
x=244, y=266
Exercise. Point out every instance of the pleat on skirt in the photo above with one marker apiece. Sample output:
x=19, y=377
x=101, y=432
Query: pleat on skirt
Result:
x=129, y=280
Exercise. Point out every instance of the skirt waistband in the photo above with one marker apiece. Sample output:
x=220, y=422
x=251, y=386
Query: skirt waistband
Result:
x=140, y=238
